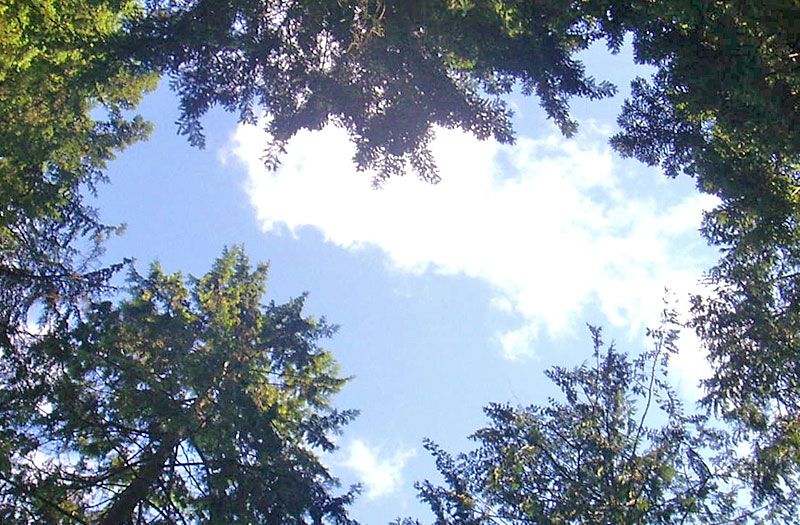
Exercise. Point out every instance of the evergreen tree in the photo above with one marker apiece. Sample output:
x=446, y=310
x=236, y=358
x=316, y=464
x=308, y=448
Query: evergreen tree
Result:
x=619, y=448
x=63, y=100
x=182, y=404
x=386, y=71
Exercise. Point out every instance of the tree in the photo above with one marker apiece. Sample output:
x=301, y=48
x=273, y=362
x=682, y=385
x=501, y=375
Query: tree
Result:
x=63, y=100
x=55, y=66
x=386, y=71
x=723, y=108
x=179, y=405
x=723, y=105
x=618, y=449
x=750, y=326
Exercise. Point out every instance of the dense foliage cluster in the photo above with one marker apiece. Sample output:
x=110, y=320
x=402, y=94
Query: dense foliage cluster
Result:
x=179, y=404
x=385, y=71
x=62, y=117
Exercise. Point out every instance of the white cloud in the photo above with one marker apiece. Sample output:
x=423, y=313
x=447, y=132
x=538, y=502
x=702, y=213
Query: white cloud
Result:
x=690, y=362
x=691, y=365
x=380, y=475
x=553, y=224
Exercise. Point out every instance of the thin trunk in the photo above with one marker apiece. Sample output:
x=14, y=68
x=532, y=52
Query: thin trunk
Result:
x=121, y=512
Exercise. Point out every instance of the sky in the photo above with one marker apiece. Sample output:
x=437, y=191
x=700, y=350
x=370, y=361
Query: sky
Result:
x=448, y=296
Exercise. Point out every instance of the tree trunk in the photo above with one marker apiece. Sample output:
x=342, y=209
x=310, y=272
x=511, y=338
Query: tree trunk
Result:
x=121, y=512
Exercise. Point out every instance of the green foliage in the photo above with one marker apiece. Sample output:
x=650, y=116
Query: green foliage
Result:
x=750, y=325
x=723, y=108
x=618, y=449
x=54, y=68
x=56, y=77
x=181, y=404
x=386, y=71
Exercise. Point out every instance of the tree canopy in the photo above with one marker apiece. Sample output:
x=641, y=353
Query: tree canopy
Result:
x=385, y=71
x=389, y=70
x=63, y=104
x=619, y=448
x=722, y=107
x=179, y=405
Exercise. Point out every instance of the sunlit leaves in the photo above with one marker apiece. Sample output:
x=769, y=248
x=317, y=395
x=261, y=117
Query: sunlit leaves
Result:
x=62, y=104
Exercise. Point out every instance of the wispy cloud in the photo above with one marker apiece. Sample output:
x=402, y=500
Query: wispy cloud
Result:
x=380, y=473
x=553, y=224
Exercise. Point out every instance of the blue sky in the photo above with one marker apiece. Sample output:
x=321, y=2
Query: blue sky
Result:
x=450, y=296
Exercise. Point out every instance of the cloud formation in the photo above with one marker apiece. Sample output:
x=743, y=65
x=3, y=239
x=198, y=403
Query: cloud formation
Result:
x=380, y=475
x=553, y=224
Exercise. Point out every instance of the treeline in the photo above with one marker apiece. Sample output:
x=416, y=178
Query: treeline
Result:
x=190, y=401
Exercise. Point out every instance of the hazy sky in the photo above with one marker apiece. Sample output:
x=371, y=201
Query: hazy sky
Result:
x=448, y=296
